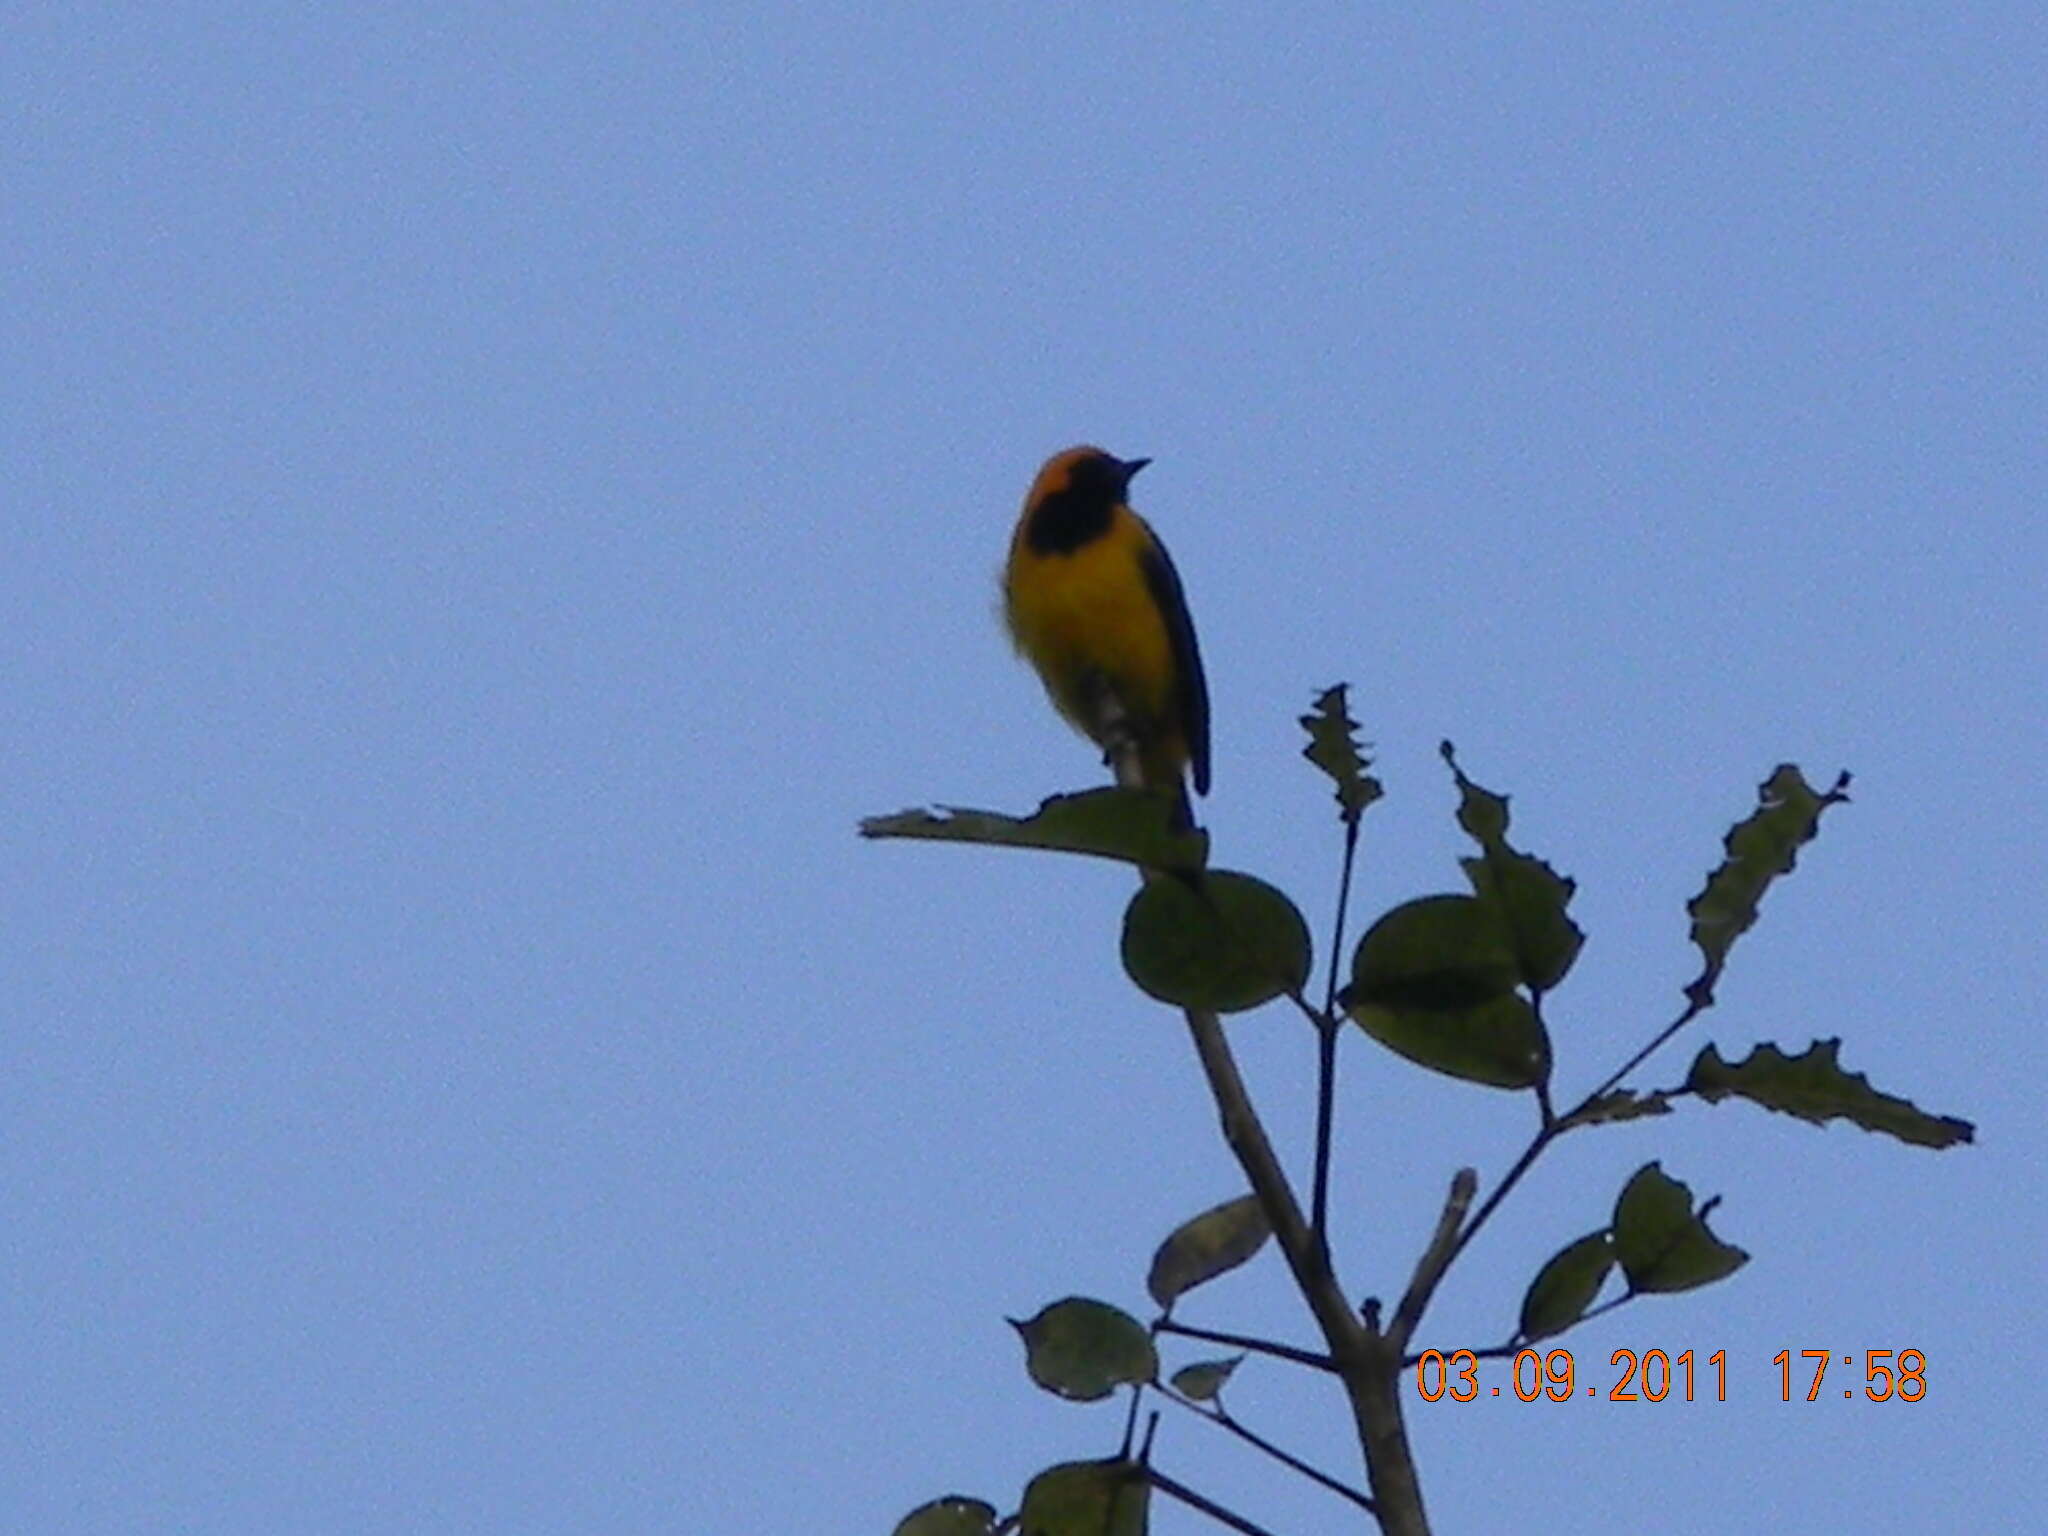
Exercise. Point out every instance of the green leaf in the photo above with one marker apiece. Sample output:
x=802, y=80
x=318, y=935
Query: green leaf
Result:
x=1333, y=747
x=1134, y=826
x=950, y=1516
x=1616, y=1106
x=1566, y=1285
x=1084, y=1350
x=1814, y=1087
x=1442, y=953
x=1434, y=980
x=1500, y=1044
x=1662, y=1243
x=1225, y=942
x=1759, y=850
x=1206, y=1246
x=1203, y=1381
x=1087, y=1498
x=1530, y=896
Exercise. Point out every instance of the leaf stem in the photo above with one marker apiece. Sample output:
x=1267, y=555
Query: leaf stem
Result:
x=1245, y=1341
x=1326, y=1044
x=1207, y=1506
x=1221, y=1417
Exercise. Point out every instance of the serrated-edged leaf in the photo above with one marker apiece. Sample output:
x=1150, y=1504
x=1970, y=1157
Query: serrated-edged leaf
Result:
x=1226, y=942
x=950, y=1516
x=1499, y=1043
x=1443, y=953
x=1204, y=1380
x=1206, y=1246
x=1759, y=849
x=1530, y=895
x=1566, y=1285
x=1134, y=826
x=1618, y=1105
x=1087, y=1498
x=1084, y=1350
x=1814, y=1087
x=1662, y=1242
x=1333, y=747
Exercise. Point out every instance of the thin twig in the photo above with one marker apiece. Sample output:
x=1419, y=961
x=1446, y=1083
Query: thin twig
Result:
x=1543, y=1105
x=1326, y=1046
x=1246, y=1341
x=1308, y=1009
x=1220, y=1417
x=1508, y=1181
x=1429, y=1269
x=1695, y=1006
x=1209, y=1507
x=1605, y=1307
x=1326, y=1100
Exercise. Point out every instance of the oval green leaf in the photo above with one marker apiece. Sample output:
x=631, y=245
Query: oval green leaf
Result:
x=1084, y=1350
x=1086, y=1498
x=1566, y=1285
x=1500, y=1044
x=1211, y=1244
x=1439, y=954
x=1224, y=942
x=950, y=1516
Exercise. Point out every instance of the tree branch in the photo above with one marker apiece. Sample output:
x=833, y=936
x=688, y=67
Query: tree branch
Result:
x=1209, y=1507
x=1436, y=1258
x=1368, y=1365
x=1326, y=1046
x=1246, y=1341
x=1220, y=1417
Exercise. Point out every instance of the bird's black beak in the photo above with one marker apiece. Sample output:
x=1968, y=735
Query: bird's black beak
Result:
x=1131, y=468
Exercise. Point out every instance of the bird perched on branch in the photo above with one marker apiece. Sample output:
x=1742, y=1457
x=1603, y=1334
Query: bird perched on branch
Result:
x=1094, y=603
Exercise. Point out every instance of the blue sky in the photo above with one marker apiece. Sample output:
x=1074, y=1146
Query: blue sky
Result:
x=495, y=493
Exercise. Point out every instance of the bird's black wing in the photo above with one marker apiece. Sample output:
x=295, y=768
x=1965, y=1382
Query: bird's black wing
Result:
x=1191, y=688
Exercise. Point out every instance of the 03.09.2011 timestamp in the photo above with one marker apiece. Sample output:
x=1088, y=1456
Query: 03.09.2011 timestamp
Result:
x=1656, y=1376
x=1641, y=1376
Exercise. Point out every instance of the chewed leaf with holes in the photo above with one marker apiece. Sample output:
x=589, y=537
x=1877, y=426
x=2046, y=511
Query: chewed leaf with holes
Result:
x=1617, y=1105
x=1814, y=1087
x=1662, y=1242
x=1131, y=825
x=1530, y=896
x=1760, y=849
x=1333, y=747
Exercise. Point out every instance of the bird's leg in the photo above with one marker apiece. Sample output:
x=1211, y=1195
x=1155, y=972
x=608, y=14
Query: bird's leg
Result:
x=1111, y=726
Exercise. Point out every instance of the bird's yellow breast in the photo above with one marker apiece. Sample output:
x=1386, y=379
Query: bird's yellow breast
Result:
x=1090, y=613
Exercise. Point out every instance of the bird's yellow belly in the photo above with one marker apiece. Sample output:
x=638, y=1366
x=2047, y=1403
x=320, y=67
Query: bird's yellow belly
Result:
x=1089, y=621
